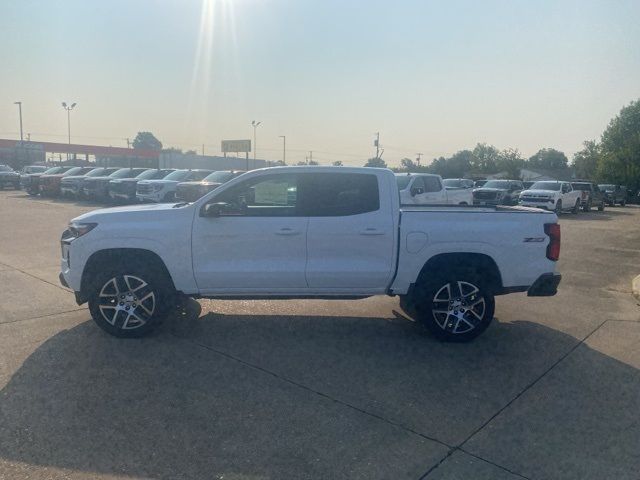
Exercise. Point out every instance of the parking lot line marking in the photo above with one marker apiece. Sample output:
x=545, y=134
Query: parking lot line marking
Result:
x=534, y=382
x=309, y=389
x=42, y=316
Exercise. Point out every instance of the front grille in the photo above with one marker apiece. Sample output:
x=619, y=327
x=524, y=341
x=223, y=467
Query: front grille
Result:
x=533, y=198
x=485, y=195
x=144, y=188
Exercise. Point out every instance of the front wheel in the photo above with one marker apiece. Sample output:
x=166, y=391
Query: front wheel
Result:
x=623, y=203
x=559, y=207
x=130, y=300
x=601, y=206
x=454, y=307
x=576, y=207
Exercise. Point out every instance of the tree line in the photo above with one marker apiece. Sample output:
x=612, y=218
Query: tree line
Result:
x=615, y=158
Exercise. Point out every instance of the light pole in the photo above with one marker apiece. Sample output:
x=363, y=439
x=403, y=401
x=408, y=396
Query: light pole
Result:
x=68, y=108
x=284, y=149
x=255, y=125
x=20, y=110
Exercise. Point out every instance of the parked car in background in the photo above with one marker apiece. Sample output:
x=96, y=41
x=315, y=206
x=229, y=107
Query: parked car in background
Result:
x=614, y=194
x=29, y=170
x=124, y=189
x=590, y=195
x=458, y=183
x=26, y=170
x=71, y=185
x=340, y=233
x=552, y=195
x=97, y=188
x=164, y=190
x=498, y=192
x=191, y=191
x=50, y=184
x=428, y=189
x=9, y=177
x=32, y=181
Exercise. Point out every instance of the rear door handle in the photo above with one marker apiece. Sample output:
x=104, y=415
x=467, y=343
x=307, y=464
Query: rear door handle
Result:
x=371, y=231
x=288, y=231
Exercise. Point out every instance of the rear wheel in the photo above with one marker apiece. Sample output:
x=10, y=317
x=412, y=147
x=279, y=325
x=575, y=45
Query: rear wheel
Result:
x=454, y=306
x=131, y=299
x=623, y=203
x=601, y=206
x=587, y=206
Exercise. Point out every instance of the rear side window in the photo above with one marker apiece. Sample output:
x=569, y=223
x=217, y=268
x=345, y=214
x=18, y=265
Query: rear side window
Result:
x=338, y=194
x=432, y=184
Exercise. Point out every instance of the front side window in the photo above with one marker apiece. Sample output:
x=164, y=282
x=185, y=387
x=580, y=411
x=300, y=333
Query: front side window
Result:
x=338, y=194
x=265, y=196
x=432, y=184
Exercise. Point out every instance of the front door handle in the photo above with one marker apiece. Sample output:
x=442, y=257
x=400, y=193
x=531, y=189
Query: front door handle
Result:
x=371, y=231
x=288, y=231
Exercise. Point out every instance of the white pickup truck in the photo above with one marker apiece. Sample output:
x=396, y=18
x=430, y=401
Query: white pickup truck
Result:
x=428, y=189
x=552, y=195
x=309, y=232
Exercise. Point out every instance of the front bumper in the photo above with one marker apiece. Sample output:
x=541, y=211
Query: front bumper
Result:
x=150, y=197
x=546, y=204
x=545, y=286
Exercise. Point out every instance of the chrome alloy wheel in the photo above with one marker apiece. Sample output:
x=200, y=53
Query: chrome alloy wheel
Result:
x=458, y=307
x=127, y=302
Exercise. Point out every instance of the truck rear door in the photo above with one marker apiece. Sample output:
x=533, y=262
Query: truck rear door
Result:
x=351, y=234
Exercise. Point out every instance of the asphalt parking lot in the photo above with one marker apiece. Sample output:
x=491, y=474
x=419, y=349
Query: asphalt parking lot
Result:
x=320, y=389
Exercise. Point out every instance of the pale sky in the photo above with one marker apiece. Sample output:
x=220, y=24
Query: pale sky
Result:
x=431, y=76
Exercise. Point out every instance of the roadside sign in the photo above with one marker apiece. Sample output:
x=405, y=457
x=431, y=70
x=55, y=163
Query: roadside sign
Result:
x=236, y=146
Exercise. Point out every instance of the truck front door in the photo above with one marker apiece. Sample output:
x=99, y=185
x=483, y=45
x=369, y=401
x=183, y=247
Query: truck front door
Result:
x=252, y=238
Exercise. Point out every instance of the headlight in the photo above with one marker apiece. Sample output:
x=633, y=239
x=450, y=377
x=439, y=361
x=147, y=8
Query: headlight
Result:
x=77, y=229
x=157, y=187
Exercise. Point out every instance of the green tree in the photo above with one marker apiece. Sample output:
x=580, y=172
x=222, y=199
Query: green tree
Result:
x=168, y=150
x=455, y=167
x=585, y=162
x=338, y=163
x=510, y=160
x=147, y=140
x=485, y=158
x=376, y=162
x=548, y=158
x=620, y=148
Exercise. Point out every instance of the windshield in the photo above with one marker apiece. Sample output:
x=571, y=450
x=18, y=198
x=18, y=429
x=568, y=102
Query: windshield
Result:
x=96, y=172
x=582, y=186
x=150, y=174
x=219, y=177
x=123, y=173
x=402, y=181
x=177, y=175
x=453, y=182
x=497, y=184
x=73, y=171
x=606, y=186
x=555, y=186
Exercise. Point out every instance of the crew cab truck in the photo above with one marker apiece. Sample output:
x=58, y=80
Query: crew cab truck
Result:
x=552, y=195
x=309, y=232
x=429, y=189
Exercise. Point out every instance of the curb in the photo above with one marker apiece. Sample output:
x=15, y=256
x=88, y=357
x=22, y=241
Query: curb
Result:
x=635, y=287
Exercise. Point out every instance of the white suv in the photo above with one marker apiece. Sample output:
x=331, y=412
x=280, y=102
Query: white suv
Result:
x=552, y=195
x=164, y=190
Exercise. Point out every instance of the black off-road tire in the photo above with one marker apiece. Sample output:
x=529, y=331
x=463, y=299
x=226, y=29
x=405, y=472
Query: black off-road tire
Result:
x=601, y=207
x=108, y=305
x=427, y=306
x=576, y=207
x=558, y=208
x=587, y=207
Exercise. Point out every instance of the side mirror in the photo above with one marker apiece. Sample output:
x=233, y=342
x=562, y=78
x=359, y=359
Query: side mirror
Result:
x=213, y=209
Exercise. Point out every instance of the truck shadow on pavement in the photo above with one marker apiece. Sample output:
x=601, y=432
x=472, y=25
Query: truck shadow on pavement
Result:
x=269, y=396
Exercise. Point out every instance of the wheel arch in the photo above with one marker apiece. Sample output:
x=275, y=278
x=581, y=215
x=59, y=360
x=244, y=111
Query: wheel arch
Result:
x=99, y=259
x=481, y=261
